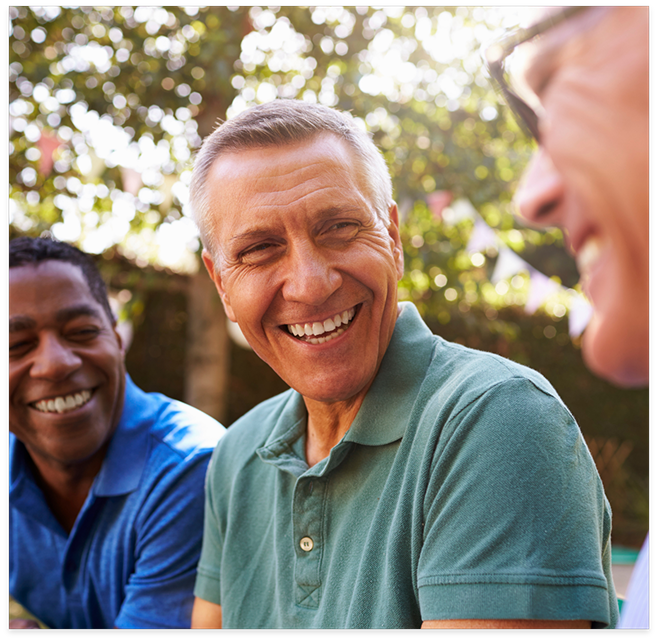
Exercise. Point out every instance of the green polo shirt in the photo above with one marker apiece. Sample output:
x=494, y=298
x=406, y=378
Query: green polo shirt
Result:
x=462, y=490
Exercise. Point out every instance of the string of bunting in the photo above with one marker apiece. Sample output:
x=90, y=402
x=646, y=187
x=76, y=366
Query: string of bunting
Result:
x=509, y=263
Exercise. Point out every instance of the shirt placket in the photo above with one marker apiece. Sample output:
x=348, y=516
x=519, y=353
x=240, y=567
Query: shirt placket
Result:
x=308, y=541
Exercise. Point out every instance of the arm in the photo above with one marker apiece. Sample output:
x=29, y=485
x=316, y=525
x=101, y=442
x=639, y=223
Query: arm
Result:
x=491, y=624
x=206, y=615
x=516, y=526
x=159, y=592
x=23, y=624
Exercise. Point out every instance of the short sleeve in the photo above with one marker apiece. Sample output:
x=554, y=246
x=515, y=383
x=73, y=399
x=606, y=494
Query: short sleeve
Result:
x=159, y=593
x=516, y=522
x=207, y=585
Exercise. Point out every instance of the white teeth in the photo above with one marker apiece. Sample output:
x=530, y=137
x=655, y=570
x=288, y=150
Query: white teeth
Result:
x=589, y=254
x=63, y=404
x=309, y=331
x=324, y=339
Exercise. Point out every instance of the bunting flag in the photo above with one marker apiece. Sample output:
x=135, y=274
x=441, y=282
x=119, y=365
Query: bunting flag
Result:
x=47, y=144
x=541, y=288
x=482, y=238
x=509, y=264
x=580, y=313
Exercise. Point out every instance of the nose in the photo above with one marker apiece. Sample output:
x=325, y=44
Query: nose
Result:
x=310, y=277
x=53, y=359
x=540, y=193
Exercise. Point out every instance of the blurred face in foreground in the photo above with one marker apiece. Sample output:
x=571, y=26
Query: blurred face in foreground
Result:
x=590, y=175
x=305, y=266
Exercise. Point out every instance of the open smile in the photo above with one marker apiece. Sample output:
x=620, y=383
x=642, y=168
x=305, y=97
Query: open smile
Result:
x=63, y=404
x=318, y=332
x=589, y=254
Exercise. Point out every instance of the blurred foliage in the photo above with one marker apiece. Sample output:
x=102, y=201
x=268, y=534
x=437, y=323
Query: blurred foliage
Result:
x=108, y=104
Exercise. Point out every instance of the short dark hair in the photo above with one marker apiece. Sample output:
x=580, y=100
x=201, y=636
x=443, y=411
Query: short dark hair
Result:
x=28, y=250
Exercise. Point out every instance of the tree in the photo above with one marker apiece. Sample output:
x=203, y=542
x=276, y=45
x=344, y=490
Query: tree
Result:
x=107, y=106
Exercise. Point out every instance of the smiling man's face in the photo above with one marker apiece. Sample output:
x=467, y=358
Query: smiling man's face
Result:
x=305, y=266
x=66, y=365
x=591, y=174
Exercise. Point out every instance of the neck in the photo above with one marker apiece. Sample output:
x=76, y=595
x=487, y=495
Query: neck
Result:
x=65, y=487
x=327, y=424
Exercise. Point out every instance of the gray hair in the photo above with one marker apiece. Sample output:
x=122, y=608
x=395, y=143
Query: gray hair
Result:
x=283, y=122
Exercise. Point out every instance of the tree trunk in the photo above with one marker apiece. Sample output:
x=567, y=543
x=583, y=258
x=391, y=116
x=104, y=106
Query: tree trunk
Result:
x=208, y=349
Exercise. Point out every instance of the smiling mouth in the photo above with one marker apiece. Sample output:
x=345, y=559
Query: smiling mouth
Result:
x=589, y=254
x=63, y=404
x=319, y=332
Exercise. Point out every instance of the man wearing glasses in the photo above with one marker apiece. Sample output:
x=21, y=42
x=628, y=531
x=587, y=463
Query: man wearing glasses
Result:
x=583, y=94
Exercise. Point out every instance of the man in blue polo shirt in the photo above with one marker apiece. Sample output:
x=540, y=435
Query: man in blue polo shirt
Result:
x=403, y=481
x=106, y=481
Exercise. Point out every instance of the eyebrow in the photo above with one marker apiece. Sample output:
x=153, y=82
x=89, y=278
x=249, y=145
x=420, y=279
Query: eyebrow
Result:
x=20, y=323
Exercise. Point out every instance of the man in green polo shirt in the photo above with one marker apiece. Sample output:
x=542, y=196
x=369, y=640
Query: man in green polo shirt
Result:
x=403, y=481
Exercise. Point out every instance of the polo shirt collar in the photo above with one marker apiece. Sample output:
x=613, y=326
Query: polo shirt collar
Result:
x=384, y=414
x=126, y=455
x=24, y=493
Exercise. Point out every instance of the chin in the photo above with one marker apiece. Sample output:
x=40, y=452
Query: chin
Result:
x=334, y=389
x=618, y=357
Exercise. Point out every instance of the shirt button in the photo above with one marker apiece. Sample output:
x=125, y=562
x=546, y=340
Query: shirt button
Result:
x=306, y=543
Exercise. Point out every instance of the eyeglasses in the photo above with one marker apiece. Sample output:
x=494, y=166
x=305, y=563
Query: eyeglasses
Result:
x=495, y=55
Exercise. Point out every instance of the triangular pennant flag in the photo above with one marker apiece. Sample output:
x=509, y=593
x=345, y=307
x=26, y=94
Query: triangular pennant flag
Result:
x=47, y=144
x=508, y=264
x=460, y=209
x=438, y=201
x=131, y=180
x=482, y=237
x=580, y=313
x=541, y=288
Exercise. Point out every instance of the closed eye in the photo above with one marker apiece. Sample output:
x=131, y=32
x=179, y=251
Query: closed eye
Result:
x=256, y=248
x=84, y=333
x=343, y=230
x=20, y=347
x=260, y=253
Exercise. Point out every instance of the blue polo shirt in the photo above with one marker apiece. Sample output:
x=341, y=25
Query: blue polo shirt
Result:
x=462, y=490
x=131, y=556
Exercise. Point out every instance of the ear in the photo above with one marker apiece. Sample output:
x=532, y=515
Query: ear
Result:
x=396, y=243
x=118, y=337
x=217, y=279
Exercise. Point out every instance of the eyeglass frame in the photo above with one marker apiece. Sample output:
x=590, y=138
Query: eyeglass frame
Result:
x=494, y=58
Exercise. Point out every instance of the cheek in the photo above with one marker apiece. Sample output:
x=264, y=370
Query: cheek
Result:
x=249, y=297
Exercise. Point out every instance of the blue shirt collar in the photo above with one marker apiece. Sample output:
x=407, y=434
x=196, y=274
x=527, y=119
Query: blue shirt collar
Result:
x=126, y=455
